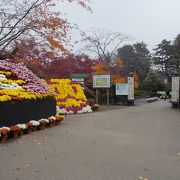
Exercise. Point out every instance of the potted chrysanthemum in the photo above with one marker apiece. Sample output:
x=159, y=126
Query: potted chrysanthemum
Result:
x=29, y=128
x=59, y=118
x=4, y=133
x=52, y=120
x=15, y=131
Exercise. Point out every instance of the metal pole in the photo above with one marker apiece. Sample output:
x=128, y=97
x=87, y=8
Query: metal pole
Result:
x=97, y=96
x=107, y=92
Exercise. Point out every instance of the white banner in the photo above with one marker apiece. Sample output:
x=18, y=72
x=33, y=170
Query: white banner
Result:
x=175, y=89
x=130, y=88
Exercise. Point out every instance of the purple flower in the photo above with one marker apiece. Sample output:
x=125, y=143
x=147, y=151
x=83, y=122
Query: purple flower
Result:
x=33, y=83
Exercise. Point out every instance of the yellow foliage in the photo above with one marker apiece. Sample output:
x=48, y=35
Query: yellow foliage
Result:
x=119, y=79
x=119, y=62
x=100, y=69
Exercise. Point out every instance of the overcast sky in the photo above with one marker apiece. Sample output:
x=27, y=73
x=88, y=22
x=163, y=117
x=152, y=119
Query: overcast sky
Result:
x=144, y=20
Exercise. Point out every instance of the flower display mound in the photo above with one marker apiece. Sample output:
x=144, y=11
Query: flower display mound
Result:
x=19, y=83
x=70, y=96
x=23, y=96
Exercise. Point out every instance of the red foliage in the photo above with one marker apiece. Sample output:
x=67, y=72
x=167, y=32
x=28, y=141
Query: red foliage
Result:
x=63, y=67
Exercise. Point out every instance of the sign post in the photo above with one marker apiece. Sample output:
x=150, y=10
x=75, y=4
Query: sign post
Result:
x=100, y=82
x=107, y=94
x=121, y=89
x=79, y=78
x=97, y=99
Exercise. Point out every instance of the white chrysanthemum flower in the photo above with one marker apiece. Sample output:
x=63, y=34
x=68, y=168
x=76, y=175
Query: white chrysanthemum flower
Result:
x=35, y=123
x=52, y=117
x=46, y=120
x=63, y=111
x=58, y=110
x=7, y=128
x=71, y=112
x=22, y=126
x=80, y=112
x=87, y=109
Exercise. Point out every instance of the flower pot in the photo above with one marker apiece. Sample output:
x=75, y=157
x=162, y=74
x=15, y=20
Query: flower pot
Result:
x=15, y=134
x=21, y=132
x=57, y=122
x=28, y=130
x=46, y=124
x=34, y=128
x=51, y=124
x=41, y=127
x=3, y=138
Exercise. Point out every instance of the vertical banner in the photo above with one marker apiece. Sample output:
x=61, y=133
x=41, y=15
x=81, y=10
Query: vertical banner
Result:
x=175, y=89
x=130, y=88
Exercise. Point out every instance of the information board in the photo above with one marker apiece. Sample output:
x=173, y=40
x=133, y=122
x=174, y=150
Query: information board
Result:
x=101, y=81
x=121, y=89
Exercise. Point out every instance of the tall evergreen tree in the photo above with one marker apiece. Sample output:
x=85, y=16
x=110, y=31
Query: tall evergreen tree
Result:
x=152, y=82
x=136, y=57
x=163, y=58
x=167, y=57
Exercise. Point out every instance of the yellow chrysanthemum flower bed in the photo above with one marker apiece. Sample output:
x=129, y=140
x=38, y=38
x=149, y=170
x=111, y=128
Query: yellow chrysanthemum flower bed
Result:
x=70, y=96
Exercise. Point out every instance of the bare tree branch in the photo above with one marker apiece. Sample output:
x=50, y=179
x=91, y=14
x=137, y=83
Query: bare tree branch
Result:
x=104, y=44
x=20, y=19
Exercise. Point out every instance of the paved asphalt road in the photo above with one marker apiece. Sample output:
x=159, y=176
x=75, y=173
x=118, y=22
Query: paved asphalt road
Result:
x=129, y=143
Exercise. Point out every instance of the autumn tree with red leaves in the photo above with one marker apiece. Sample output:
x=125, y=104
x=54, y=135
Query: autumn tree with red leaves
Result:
x=63, y=67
